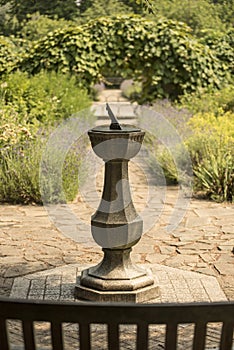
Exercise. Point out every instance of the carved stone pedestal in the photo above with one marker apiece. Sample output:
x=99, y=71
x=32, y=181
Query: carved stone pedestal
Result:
x=116, y=226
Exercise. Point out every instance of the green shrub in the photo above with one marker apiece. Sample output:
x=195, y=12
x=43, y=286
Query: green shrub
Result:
x=171, y=166
x=60, y=168
x=208, y=139
x=163, y=165
x=19, y=172
x=37, y=26
x=11, y=131
x=213, y=101
x=20, y=165
x=8, y=55
x=168, y=157
x=222, y=44
x=44, y=98
x=198, y=15
x=215, y=173
x=30, y=109
x=211, y=147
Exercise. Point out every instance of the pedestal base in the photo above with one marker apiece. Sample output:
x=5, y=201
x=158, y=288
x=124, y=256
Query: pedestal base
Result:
x=116, y=278
x=136, y=296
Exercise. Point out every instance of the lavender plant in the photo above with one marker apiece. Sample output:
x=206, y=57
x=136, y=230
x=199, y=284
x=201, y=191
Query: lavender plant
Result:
x=30, y=111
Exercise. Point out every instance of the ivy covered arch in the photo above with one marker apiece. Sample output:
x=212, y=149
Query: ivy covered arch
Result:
x=163, y=55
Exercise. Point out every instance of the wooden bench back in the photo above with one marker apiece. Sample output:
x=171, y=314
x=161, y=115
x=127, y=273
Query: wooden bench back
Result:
x=113, y=315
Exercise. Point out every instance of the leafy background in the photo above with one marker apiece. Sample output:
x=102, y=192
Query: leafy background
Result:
x=176, y=57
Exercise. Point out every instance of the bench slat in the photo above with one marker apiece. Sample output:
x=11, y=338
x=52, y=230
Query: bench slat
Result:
x=3, y=335
x=142, y=336
x=171, y=336
x=84, y=331
x=57, y=336
x=199, y=339
x=226, y=336
x=113, y=315
x=113, y=336
x=28, y=332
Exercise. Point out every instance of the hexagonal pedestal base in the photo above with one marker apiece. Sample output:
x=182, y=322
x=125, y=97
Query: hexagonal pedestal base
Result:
x=136, y=296
x=116, y=278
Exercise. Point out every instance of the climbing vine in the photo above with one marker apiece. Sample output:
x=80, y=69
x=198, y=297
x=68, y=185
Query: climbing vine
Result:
x=163, y=55
x=8, y=55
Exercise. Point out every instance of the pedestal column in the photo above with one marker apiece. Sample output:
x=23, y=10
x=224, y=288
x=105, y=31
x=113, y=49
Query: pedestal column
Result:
x=116, y=226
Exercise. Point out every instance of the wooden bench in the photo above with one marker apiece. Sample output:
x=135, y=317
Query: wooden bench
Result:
x=113, y=315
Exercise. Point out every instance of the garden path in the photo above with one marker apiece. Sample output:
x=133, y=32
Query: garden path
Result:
x=203, y=241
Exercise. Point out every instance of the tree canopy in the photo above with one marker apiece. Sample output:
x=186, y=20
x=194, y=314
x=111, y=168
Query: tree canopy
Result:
x=99, y=8
x=62, y=9
x=198, y=14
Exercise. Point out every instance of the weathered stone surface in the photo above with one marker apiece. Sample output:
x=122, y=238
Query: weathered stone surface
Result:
x=208, y=257
x=11, y=260
x=206, y=271
x=145, y=248
x=226, y=258
x=188, y=235
x=5, y=286
x=181, y=259
x=139, y=295
x=50, y=261
x=167, y=250
x=228, y=242
x=175, y=285
x=224, y=220
x=227, y=284
x=197, y=222
x=156, y=258
x=6, y=251
x=228, y=229
x=224, y=268
x=226, y=248
x=215, y=212
x=186, y=251
x=23, y=269
x=198, y=246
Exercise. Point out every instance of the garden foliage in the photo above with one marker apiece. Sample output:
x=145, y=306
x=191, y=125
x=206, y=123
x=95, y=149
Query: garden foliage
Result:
x=163, y=55
x=31, y=108
x=48, y=68
x=37, y=26
x=45, y=97
x=8, y=55
x=210, y=100
x=21, y=8
x=198, y=14
x=209, y=139
x=211, y=147
x=222, y=43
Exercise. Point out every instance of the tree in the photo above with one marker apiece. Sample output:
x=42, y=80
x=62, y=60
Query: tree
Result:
x=38, y=26
x=226, y=10
x=137, y=6
x=197, y=14
x=100, y=8
x=56, y=8
x=3, y=17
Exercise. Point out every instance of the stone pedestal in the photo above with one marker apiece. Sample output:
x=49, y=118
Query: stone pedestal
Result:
x=116, y=278
x=116, y=226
